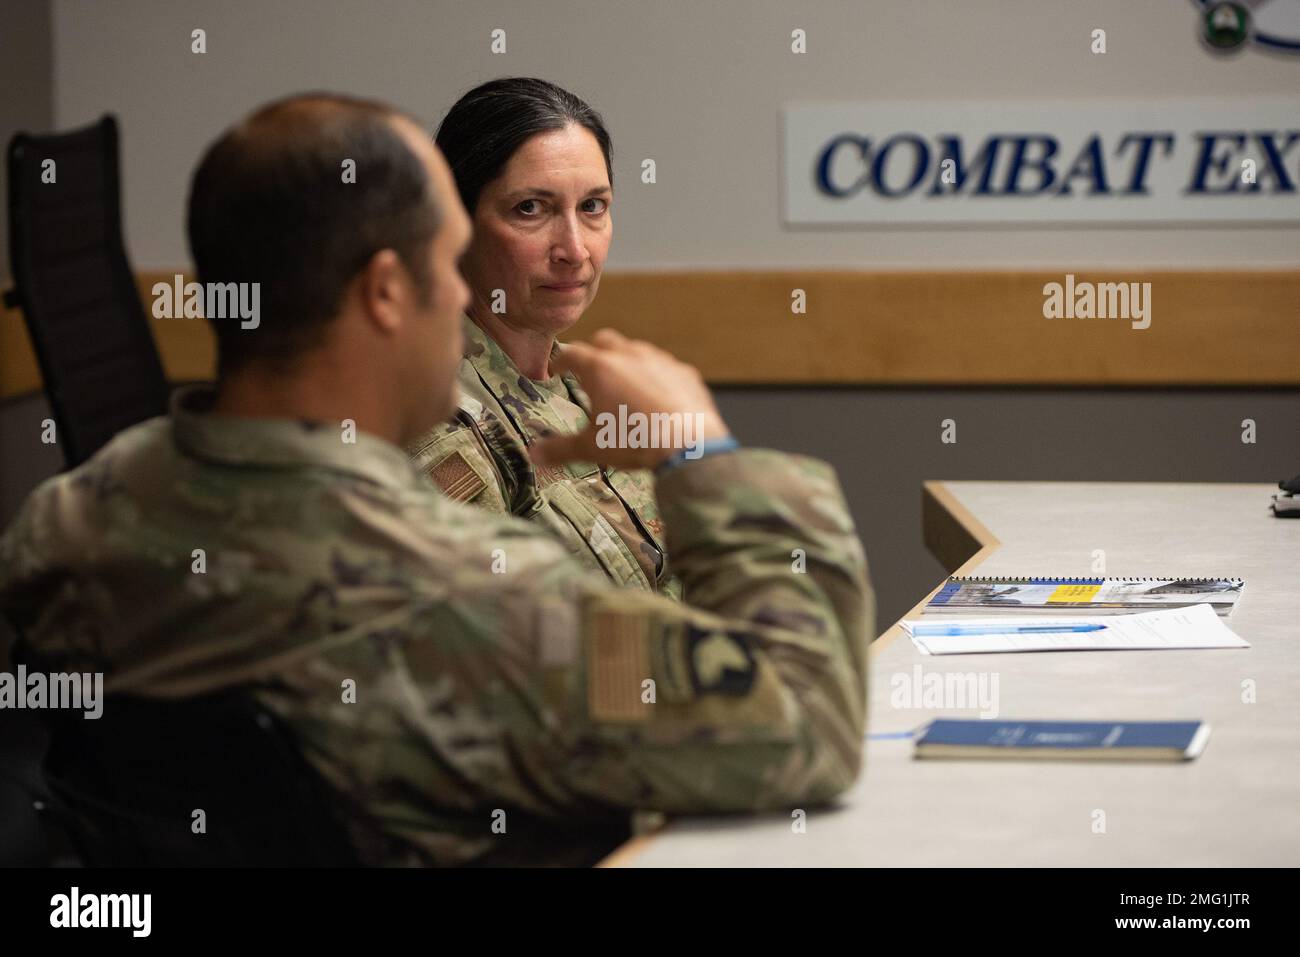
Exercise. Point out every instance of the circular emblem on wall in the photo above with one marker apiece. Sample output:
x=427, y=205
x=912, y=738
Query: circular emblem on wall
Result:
x=1228, y=25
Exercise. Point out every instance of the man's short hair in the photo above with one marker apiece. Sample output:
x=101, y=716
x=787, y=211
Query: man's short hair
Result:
x=298, y=197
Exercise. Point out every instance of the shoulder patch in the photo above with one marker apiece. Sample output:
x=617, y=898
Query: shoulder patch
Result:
x=457, y=478
x=721, y=662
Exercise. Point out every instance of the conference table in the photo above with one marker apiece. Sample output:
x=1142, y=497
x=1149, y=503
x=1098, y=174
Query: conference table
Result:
x=1238, y=804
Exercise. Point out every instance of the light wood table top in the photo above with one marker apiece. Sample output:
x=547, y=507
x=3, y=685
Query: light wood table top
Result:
x=1236, y=805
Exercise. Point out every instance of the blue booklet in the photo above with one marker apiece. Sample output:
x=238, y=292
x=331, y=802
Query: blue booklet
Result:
x=1056, y=740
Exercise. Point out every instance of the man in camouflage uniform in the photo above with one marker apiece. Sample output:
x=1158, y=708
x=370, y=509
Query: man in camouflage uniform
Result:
x=606, y=517
x=463, y=682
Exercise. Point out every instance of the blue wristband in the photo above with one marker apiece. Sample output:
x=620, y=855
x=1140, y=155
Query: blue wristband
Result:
x=727, y=443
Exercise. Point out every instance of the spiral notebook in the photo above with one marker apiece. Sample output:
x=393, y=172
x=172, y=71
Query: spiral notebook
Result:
x=972, y=595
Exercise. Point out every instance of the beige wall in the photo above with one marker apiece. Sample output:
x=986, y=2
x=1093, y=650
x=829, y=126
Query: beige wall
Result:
x=696, y=84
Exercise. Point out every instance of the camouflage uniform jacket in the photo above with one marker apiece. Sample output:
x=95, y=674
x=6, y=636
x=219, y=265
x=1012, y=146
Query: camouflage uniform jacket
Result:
x=495, y=679
x=606, y=517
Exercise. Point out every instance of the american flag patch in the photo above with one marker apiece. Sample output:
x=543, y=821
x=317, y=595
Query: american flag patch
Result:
x=457, y=478
x=617, y=663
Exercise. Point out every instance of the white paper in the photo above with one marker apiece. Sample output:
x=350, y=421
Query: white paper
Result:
x=1196, y=626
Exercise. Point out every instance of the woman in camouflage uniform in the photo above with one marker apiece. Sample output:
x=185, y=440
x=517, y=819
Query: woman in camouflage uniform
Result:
x=532, y=166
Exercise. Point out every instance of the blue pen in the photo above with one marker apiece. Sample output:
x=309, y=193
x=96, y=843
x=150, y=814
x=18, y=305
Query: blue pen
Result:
x=936, y=630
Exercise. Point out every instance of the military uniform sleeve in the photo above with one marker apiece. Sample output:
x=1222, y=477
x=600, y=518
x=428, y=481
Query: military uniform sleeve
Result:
x=751, y=696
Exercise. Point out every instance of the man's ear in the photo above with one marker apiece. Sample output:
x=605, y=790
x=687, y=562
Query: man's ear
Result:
x=384, y=290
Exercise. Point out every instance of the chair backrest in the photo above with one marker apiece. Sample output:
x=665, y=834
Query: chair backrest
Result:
x=131, y=781
x=75, y=287
x=23, y=835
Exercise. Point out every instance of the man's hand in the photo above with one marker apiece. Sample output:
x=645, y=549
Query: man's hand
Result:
x=665, y=405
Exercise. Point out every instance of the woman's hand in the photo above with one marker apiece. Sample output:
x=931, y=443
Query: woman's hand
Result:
x=646, y=405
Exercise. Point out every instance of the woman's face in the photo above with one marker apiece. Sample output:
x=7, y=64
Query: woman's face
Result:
x=541, y=232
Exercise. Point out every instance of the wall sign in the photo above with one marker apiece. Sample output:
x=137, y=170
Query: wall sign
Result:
x=1150, y=162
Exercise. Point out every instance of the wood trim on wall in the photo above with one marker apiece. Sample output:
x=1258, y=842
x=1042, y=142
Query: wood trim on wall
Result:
x=187, y=346
x=890, y=328
x=961, y=328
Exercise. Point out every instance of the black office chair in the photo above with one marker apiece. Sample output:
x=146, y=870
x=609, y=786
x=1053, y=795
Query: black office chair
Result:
x=75, y=287
x=122, y=789
x=126, y=787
